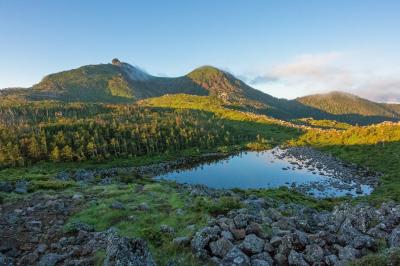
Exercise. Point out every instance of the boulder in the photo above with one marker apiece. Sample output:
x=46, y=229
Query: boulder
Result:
x=240, y=220
x=127, y=251
x=296, y=259
x=314, y=253
x=235, y=257
x=220, y=247
x=252, y=244
x=331, y=260
x=275, y=241
x=202, y=238
x=264, y=256
x=238, y=233
x=394, y=238
x=228, y=235
x=348, y=253
x=280, y=259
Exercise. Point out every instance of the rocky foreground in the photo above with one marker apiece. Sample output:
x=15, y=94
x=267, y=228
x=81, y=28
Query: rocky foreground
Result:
x=264, y=231
x=262, y=235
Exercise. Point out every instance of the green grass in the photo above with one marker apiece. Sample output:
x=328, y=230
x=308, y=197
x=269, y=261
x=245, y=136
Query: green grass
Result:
x=163, y=201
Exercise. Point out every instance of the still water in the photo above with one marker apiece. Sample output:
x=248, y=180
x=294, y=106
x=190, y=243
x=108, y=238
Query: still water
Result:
x=263, y=170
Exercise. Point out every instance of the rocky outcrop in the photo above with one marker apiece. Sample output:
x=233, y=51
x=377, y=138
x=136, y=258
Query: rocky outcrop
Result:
x=291, y=234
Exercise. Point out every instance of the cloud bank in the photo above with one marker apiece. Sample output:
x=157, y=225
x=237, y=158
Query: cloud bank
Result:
x=316, y=73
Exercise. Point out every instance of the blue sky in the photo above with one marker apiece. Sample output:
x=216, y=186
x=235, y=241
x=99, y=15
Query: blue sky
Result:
x=285, y=48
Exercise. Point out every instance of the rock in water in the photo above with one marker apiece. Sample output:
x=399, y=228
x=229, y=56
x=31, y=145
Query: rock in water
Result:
x=124, y=251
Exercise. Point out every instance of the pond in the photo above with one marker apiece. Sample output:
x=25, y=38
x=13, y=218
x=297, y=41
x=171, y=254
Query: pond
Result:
x=253, y=170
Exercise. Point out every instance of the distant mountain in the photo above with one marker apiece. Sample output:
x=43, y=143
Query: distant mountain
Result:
x=341, y=103
x=120, y=82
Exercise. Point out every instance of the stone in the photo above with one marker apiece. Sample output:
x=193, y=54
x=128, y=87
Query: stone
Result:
x=202, y=238
x=117, y=205
x=123, y=251
x=263, y=256
x=363, y=241
x=21, y=187
x=268, y=247
x=280, y=259
x=220, y=247
x=331, y=260
x=299, y=240
x=296, y=259
x=235, y=257
x=258, y=262
x=50, y=259
x=348, y=253
x=181, y=241
x=314, y=253
x=228, y=235
x=252, y=244
x=166, y=229
x=394, y=238
x=255, y=228
x=276, y=241
x=238, y=233
x=240, y=220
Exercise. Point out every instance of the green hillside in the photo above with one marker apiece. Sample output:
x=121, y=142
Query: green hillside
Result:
x=340, y=103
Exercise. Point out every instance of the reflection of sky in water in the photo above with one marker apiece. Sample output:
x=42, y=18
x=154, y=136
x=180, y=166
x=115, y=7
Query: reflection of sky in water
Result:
x=255, y=170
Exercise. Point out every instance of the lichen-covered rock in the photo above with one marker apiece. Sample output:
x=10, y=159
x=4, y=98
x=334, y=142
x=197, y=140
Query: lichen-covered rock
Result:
x=314, y=253
x=202, y=238
x=348, y=253
x=235, y=257
x=220, y=247
x=122, y=251
x=252, y=244
x=394, y=238
x=296, y=259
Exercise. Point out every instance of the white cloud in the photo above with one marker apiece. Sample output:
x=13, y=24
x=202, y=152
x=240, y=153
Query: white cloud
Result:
x=314, y=73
